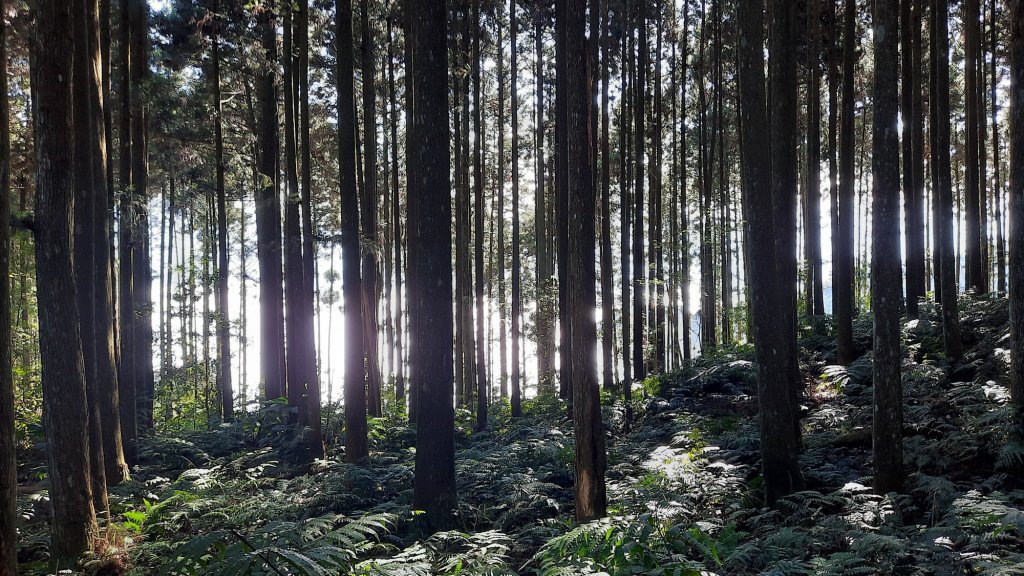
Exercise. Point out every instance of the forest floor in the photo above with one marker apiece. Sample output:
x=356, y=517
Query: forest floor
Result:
x=684, y=488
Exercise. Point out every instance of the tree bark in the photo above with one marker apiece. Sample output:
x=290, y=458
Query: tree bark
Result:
x=356, y=449
x=941, y=157
x=812, y=222
x=778, y=415
x=368, y=211
x=517, y=305
x=976, y=277
x=268, y=216
x=887, y=421
x=1016, y=214
x=607, y=271
x=9, y=463
x=843, y=278
x=73, y=526
x=82, y=115
x=142, y=280
x=590, y=443
x=637, y=251
x=434, y=485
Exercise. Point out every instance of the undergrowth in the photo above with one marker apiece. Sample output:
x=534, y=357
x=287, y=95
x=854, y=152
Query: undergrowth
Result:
x=685, y=495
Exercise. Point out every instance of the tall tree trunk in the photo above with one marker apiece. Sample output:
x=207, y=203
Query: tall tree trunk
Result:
x=625, y=203
x=783, y=96
x=396, y=223
x=85, y=198
x=502, y=302
x=434, y=486
x=268, y=217
x=590, y=443
x=125, y=246
x=913, y=151
x=73, y=526
x=356, y=448
x=842, y=284
x=887, y=423
x=562, y=207
x=142, y=280
x=1016, y=214
x=223, y=270
x=517, y=304
x=812, y=226
x=941, y=156
x=368, y=211
x=546, y=286
x=607, y=271
x=8, y=463
x=778, y=415
x=478, y=193
x=637, y=252
x=976, y=277
x=997, y=192
x=656, y=259
x=296, y=370
x=309, y=357
x=684, y=209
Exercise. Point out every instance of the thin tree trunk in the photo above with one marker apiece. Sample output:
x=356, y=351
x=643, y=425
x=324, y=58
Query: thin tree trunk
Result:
x=516, y=399
x=223, y=314
x=637, y=252
x=502, y=302
x=607, y=271
x=843, y=279
x=141, y=269
x=944, y=223
x=478, y=192
x=812, y=226
x=268, y=218
x=1016, y=214
x=368, y=210
x=356, y=449
x=8, y=463
x=310, y=278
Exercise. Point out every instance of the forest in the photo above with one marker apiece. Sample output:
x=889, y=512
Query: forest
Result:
x=512, y=287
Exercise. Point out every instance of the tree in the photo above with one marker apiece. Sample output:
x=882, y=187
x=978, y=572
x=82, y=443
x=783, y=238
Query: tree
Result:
x=312, y=384
x=268, y=214
x=223, y=317
x=355, y=376
x=913, y=150
x=637, y=251
x=142, y=275
x=777, y=416
x=434, y=485
x=73, y=526
x=517, y=302
x=478, y=194
x=887, y=421
x=590, y=444
x=368, y=213
x=812, y=229
x=9, y=464
x=843, y=267
x=977, y=277
x=942, y=185
x=125, y=246
x=1015, y=278
x=607, y=271
x=82, y=117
